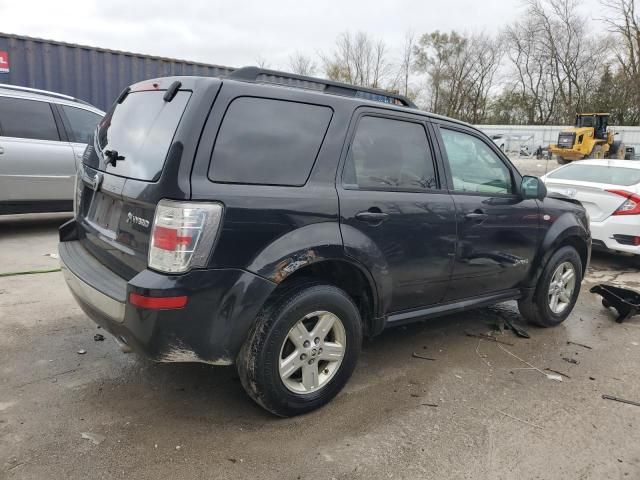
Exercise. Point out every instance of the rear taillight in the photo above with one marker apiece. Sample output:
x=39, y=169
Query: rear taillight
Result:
x=183, y=235
x=631, y=205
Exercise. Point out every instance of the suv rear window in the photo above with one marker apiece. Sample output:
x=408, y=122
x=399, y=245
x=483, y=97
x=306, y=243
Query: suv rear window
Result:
x=597, y=174
x=141, y=129
x=268, y=142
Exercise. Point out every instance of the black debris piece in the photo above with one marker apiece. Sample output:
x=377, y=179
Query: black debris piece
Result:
x=518, y=330
x=621, y=400
x=625, y=301
x=571, y=360
x=422, y=357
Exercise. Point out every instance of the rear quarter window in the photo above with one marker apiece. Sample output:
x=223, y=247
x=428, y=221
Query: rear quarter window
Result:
x=82, y=123
x=268, y=142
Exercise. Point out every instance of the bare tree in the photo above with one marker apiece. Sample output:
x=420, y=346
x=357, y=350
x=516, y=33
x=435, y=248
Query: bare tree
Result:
x=624, y=23
x=460, y=72
x=575, y=56
x=301, y=64
x=357, y=59
x=441, y=57
x=486, y=53
x=532, y=82
x=407, y=61
x=262, y=62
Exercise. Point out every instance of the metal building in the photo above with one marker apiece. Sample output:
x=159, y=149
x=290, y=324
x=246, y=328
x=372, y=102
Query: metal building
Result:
x=96, y=75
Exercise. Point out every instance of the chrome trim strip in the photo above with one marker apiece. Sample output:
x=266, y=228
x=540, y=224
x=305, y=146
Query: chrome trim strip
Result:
x=98, y=300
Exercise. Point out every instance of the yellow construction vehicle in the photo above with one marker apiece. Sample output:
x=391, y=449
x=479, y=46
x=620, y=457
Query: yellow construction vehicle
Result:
x=589, y=138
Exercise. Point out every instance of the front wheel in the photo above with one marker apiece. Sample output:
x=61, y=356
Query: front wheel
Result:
x=557, y=290
x=597, y=152
x=561, y=160
x=303, y=349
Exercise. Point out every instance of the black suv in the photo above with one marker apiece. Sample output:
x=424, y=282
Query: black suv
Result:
x=271, y=220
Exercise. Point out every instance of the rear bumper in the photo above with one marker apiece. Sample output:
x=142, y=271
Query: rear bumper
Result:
x=604, y=233
x=211, y=328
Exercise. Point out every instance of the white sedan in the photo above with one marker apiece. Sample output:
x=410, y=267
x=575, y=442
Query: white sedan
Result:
x=610, y=191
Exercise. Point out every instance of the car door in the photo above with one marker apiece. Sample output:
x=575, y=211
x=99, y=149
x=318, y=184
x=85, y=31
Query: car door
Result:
x=36, y=163
x=79, y=123
x=498, y=231
x=395, y=216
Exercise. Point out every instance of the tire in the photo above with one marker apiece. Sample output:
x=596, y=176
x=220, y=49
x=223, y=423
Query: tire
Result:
x=596, y=152
x=605, y=303
x=270, y=341
x=561, y=161
x=617, y=150
x=537, y=309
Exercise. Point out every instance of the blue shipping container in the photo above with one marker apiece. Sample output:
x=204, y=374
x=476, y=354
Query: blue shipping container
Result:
x=96, y=75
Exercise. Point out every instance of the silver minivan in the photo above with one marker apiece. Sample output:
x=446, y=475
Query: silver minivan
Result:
x=42, y=138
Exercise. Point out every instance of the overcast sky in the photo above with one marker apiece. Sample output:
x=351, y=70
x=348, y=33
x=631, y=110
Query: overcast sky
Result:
x=240, y=32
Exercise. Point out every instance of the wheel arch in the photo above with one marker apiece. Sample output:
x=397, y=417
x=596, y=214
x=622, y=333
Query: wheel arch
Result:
x=566, y=231
x=317, y=251
x=349, y=276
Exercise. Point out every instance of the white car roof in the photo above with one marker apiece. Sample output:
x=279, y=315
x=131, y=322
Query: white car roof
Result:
x=609, y=163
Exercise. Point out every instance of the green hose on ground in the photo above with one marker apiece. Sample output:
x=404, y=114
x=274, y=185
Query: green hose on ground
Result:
x=29, y=272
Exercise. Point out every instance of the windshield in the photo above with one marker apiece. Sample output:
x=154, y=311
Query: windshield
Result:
x=140, y=130
x=585, y=122
x=597, y=174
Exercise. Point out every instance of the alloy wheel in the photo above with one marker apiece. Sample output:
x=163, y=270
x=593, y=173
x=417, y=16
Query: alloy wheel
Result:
x=312, y=352
x=561, y=287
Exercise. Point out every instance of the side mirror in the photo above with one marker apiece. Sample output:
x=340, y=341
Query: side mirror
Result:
x=532, y=187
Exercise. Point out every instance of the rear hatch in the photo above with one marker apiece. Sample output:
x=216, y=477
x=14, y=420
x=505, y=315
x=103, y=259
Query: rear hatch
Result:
x=135, y=161
x=597, y=187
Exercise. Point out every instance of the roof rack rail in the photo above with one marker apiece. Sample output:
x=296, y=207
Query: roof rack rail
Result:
x=47, y=93
x=255, y=74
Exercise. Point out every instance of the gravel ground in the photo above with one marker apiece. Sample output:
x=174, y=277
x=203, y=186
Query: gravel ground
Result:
x=496, y=418
x=532, y=166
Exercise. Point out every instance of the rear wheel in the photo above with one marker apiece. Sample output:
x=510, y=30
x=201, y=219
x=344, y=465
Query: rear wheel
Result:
x=561, y=160
x=302, y=350
x=557, y=290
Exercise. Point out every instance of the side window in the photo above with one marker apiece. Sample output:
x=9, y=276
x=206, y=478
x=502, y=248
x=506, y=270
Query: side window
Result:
x=27, y=119
x=268, y=142
x=388, y=154
x=474, y=166
x=82, y=123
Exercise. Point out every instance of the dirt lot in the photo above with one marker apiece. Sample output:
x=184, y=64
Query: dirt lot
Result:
x=495, y=416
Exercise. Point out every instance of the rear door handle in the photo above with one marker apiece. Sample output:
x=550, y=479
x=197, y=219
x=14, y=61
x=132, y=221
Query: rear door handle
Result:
x=476, y=216
x=372, y=216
